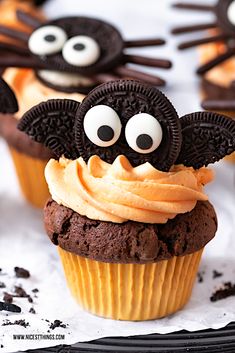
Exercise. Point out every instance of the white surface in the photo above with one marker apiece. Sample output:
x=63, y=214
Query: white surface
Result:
x=23, y=241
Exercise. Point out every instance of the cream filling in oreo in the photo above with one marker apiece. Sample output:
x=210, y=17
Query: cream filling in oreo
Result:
x=64, y=79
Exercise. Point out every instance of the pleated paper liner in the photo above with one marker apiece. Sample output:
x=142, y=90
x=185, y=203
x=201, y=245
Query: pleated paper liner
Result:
x=30, y=172
x=131, y=291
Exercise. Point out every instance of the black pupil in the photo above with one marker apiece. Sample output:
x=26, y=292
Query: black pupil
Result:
x=105, y=133
x=79, y=46
x=50, y=38
x=144, y=141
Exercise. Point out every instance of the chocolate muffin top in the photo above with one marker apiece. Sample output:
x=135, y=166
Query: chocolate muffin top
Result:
x=130, y=242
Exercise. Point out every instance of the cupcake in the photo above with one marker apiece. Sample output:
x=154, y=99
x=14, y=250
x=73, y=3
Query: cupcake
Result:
x=128, y=211
x=217, y=56
x=62, y=58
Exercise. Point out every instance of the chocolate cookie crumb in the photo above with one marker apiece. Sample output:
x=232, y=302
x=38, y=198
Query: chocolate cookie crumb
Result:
x=9, y=307
x=226, y=291
x=57, y=323
x=22, y=323
x=21, y=272
x=32, y=311
x=200, y=277
x=217, y=274
x=7, y=298
x=2, y=285
x=21, y=293
x=35, y=290
x=2, y=346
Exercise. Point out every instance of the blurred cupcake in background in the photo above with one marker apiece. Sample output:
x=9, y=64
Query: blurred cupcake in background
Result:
x=128, y=211
x=63, y=58
x=217, y=55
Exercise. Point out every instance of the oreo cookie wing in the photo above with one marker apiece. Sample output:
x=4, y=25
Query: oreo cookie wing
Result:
x=52, y=124
x=207, y=138
x=131, y=118
x=8, y=101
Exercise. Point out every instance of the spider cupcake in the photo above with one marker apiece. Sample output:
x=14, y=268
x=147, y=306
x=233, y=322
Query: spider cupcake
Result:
x=217, y=53
x=58, y=59
x=128, y=211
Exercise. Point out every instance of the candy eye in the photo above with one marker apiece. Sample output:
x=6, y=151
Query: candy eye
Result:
x=102, y=125
x=231, y=12
x=81, y=51
x=143, y=133
x=47, y=40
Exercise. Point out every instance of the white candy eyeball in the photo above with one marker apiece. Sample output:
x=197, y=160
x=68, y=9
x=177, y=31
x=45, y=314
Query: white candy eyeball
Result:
x=102, y=125
x=231, y=13
x=143, y=133
x=47, y=40
x=81, y=51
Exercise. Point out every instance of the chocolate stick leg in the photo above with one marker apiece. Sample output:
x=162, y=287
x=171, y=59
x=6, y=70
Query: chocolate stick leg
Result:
x=20, y=61
x=28, y=19
x=195, y=43
x=219, y=104
x=152, y=62
x=218, y=60
x=15, y=34
x=194, y=28
x=7, y=47
x=143, y=43
x=191, y=6
x=126, y=72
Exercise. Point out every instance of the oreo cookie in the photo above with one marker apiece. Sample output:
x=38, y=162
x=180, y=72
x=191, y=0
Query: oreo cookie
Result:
x=51, y=123
x=74, y=29
x=8, y=101
x=123, y=105
x=207, y=137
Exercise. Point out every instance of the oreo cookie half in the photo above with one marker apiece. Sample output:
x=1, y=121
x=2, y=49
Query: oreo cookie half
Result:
x=130, y=118
x=207, y=138
x=8, y=101
x=52, y=124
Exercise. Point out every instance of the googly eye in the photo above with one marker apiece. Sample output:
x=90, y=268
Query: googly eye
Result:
x=81, y=51
x=102, y=125
x=231, y=13
x=47, y=40
x=143, y=133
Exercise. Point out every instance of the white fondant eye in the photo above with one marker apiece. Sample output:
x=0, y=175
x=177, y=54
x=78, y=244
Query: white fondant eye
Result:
x=102, y=125
x=47, y=40
x=143, y=133
x=231, y=13
x=81, y=51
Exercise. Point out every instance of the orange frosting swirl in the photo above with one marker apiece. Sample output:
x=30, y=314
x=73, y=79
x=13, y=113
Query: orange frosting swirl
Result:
x=30, y=91
x=119, y=192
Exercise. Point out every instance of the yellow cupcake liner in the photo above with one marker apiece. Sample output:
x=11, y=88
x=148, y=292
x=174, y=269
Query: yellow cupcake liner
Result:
x=30, y=172
x=131, y=291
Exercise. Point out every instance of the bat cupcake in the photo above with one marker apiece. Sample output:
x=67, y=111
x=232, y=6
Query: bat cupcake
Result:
x=64, y=58
x=128, y=211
